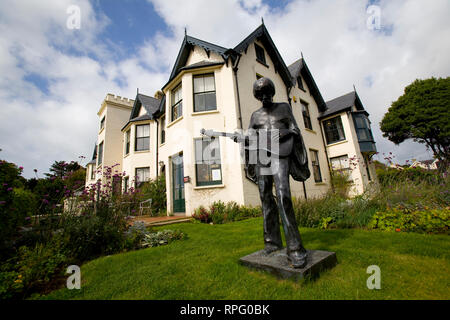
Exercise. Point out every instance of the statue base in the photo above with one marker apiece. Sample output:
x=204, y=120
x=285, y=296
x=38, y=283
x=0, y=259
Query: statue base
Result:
x=277, y=263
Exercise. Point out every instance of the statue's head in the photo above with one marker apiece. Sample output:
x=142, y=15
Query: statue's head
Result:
x=264, y=90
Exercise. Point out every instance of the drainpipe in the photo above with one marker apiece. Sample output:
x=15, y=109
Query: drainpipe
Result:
x=322, y=131
x=235, y=69
x=157, y=147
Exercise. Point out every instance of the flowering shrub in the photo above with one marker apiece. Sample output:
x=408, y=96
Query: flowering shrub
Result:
x=415, y=219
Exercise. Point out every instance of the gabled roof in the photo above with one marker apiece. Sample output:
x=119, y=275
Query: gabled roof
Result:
x=342, y=103
x=300, y=67
x=186, y=47
x=263, y=35
x=201, y=64
x=149, y=103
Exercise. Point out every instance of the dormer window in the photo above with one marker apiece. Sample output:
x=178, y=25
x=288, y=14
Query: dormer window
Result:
x=260, y=56
x=300, y=83
x=306, y=116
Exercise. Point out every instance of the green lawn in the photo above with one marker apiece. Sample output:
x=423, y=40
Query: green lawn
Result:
x=205, y=266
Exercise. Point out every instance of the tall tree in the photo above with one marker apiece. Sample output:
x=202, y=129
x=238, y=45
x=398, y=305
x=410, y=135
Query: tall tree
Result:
x=60, y=169
x=422, y=113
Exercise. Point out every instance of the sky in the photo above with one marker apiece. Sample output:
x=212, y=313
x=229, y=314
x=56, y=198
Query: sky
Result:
x=55, y=72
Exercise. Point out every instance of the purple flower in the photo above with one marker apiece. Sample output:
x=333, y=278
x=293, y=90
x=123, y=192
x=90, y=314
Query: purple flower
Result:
x=2, y=202
x=21, y=168
x=45, y=201
x=9, y=189
x=27, y=218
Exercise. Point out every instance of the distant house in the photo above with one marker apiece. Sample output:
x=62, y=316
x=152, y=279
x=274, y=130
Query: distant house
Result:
x=212, y=87
x=426, y=164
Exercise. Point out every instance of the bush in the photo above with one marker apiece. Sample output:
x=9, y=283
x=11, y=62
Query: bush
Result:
x=219, y=212
x=410, y=219
x=155, y=190
x=161, y=238
x=32, y=269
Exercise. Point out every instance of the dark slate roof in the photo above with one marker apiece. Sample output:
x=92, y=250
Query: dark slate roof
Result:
x=188, y=43
x=342, y=103
x=201, y=64
x=300, y=67
x=263, y=35
x=149, y=103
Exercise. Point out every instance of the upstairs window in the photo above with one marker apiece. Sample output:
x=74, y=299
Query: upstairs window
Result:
x=102, y=123
x=142, y=141
x=177, y=103
x=100, y=154
x=207, y=162
x=127, y=142
x=260, y=56
x=204, y=93
x=315, y=165
x=163, y=130
x=142, y=175
x=306, y=116
x=362, y=127
x=300, y=83
x=334, y=131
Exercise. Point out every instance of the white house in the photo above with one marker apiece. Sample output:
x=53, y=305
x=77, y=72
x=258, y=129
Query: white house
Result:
x=211, y=87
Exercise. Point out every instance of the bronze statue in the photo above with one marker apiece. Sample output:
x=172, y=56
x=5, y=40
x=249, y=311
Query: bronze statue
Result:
x=275, y=125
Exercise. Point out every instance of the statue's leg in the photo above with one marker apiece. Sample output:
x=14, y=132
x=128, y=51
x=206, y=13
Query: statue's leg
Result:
x=281, y=178
x=272, y=235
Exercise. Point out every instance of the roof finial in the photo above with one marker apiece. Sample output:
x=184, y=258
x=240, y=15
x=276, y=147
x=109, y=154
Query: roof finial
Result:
x=262, y=20
x=301, y=53
x=185, y=31
x=354, y=88
x=137, y=90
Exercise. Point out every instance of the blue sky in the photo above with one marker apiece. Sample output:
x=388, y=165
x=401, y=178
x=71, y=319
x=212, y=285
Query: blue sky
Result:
x=54, y=79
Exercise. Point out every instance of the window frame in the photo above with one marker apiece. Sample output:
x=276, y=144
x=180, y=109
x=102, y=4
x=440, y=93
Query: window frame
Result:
x=300, y=84
x=203, y=75
x=261, y=55
x=93, y=172
x=306, y=117
x=342, y=169
x=100, y=153
x=339, y=119
x=137, y=183
x=136, y=138
x=127, y=141
x=176, y=104
x=102, y=123
x=365, y=127
x=200, y=183
x=163, y=130
x=126, y=183
x=315, y=165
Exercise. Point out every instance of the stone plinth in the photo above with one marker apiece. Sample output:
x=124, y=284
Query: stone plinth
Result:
x=278, y=264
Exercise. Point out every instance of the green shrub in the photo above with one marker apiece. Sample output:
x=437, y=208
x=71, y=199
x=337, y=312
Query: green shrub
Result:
x=219, y=212
x=340, y=182
x=161, y=238
x=32, y=269
x=155, y=190
x=407, y=219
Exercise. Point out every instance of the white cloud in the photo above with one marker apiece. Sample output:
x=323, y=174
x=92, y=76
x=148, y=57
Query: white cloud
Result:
x=78, y=66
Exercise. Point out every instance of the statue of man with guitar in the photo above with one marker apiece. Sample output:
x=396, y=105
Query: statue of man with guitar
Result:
x=274, y=132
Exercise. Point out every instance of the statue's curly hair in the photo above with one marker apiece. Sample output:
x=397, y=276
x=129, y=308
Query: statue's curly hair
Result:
x=263, y=85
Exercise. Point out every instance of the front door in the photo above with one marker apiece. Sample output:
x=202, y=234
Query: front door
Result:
x=178, y=184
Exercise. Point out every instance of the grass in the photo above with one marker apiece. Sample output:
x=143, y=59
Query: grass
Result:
x=205, y=266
